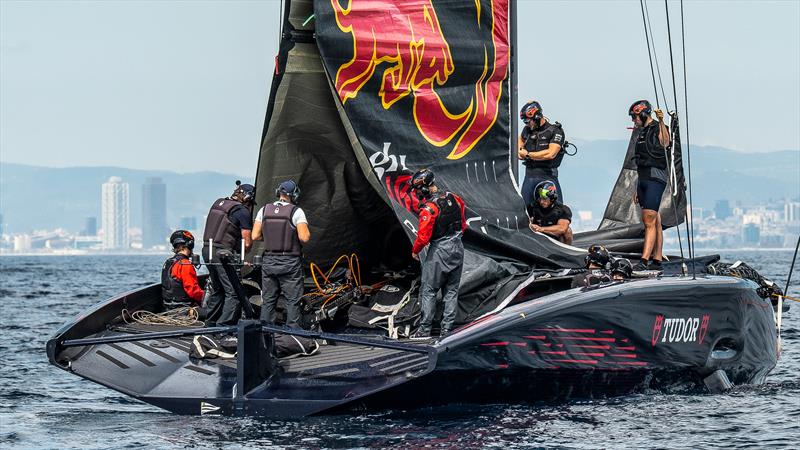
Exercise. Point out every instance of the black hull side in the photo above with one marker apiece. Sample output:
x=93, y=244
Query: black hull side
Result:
x=604, y=342
x=617, y=339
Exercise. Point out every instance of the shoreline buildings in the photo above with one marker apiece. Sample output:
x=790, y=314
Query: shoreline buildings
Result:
x=115, y=214
x=154, y=213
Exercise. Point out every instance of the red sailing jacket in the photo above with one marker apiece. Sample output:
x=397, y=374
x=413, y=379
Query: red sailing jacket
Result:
x=427, y=221
x=184, y=271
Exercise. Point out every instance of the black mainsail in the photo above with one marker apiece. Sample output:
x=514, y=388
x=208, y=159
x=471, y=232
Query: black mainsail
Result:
x=363, y=97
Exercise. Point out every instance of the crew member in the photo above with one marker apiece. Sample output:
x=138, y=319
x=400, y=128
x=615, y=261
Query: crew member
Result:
x=178, y=277
x=441, y=225
x=540, y=148
x=596, y=262
x=650, y=156
x=284, y=229
x=597, y=258
x=547, y=215
x=621, y=269
x=229, y=224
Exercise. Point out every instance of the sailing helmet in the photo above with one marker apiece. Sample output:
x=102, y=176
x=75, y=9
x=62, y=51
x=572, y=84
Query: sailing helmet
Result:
x=641, y=108
x=598, y=255
x=245, y=193
x=531, y=110
x=546, y=189
x=182, y=238
x=622, y=266
x=288, y=188
x=422, y=181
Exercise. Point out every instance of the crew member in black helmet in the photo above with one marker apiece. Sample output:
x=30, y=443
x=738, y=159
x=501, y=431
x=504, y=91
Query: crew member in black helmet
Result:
x=621, y=269
x=441, y=224
x=540, y=148
x=547, y=215
x=284, y=228
x=597, y=262
x=650, y=156
x=178, y=277
x=228, y=225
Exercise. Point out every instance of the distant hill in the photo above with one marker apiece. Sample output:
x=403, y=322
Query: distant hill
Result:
x=34, y=197
x=40, y=197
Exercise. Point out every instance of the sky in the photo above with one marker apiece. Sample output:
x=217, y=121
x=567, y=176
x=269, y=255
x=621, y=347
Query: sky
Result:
x=183, y=85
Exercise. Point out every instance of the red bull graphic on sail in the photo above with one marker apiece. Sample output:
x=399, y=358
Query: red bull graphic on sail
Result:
x=403, y=41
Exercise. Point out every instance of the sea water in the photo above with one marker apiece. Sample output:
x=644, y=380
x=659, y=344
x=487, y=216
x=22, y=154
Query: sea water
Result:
x=44, y=407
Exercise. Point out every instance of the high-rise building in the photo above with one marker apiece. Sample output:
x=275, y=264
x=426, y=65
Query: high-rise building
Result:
x=89, y=227
x=791, y=211
x=751, y=234
x=722, y=210
x=154, y=213
x=189, y=223
x=115, y=214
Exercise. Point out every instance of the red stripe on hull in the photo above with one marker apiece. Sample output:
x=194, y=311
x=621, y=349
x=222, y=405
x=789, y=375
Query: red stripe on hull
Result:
x=599, y=339
x=567, y=330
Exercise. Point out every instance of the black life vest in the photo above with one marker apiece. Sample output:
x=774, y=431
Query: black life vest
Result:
x=649, y=152
x=448, y=221
x=171, y=288
x=280, y=235
x=219, y=226
x=538, y=140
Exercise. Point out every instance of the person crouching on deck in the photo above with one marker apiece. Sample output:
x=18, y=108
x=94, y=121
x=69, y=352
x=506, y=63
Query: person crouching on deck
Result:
x=441, y=225
x=178, y=276
x=547, y=215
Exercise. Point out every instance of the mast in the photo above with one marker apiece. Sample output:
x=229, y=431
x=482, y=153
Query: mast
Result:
x=512, y=12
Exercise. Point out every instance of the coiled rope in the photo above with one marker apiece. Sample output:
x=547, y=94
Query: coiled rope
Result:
x=180, y=317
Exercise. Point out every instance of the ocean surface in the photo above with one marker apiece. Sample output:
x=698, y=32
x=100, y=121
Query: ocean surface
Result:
x=44, y=407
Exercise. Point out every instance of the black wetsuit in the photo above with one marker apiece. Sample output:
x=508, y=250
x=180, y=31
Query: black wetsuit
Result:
x=548, y=217
x=542, y=170
x=651, y=164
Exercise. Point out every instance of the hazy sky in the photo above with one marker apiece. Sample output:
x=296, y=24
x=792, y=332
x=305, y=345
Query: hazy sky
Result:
x=183, y=85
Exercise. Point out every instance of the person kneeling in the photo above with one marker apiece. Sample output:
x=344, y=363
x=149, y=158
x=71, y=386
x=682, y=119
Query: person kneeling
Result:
x=178, y=277
x=547, y=215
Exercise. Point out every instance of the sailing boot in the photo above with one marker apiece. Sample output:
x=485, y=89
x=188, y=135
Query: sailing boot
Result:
x=641, y=266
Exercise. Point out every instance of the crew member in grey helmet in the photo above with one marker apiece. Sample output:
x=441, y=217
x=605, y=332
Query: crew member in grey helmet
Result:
x=228, y=226
x=439, y=249
x=284, y=229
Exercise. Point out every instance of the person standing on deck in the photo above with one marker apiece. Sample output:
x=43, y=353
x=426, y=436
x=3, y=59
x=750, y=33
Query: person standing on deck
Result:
x=228, y=225
x=441, y=225
x=284, y=228
x=540, y=148
x=650, y=155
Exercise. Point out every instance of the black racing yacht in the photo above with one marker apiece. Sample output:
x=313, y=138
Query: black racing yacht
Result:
x=363, y=94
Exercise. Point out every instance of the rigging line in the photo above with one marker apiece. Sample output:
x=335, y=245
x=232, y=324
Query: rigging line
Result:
x=673, y=133
x=675, y=99
x=649, y=55
x=690, y=220
x=655, y=57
